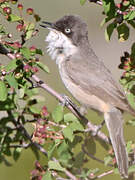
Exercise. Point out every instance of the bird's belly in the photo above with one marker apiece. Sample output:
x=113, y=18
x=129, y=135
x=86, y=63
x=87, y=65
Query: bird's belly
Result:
x=85, y=98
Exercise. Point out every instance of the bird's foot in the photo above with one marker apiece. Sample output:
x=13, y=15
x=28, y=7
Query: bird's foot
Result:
x=97, y=128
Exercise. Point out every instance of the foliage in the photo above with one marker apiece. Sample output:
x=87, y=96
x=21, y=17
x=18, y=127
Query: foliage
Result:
x=60, y=136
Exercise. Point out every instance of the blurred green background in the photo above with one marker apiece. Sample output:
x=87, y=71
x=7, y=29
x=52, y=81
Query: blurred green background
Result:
x=51, y=10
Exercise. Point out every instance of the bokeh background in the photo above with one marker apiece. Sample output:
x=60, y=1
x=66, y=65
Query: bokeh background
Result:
x=51, y=10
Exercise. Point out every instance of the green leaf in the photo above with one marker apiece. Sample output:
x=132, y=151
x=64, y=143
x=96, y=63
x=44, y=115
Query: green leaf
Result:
x=34, y=109
x=109, y=30
x=55, y=166
x=21, y=93
x=47, y=176
x=76, y=126
x=64, y=153
x=68, y=133
x=14, y=18
x=69, y=117
x=26, y=52
x=7, y=105
x=129, y=146
x=43, y=67
x=3, y=91
x=123, y=32
x=109, y=7
x=82, y=2
x=39, y=51
x=130, y=15
x=11, y=81
x=107, y=159
x=11, y=65
x=57, y=114
x=132, y=122
x=131, y=99
x=17, y=153
x=51, y=148
x=29, y=30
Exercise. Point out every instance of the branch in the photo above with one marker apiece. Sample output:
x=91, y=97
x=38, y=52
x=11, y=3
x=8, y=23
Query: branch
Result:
x=70, y=106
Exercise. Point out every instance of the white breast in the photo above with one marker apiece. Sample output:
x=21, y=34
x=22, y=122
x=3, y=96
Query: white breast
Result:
x=59, y=46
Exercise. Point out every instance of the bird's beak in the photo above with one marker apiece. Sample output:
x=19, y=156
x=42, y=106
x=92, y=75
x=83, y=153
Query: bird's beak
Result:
x=47, y=25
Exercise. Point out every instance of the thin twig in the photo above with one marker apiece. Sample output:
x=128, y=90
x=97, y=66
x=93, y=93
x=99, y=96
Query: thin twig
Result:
x=19, y=146
x=104, y=174
x=93, y=157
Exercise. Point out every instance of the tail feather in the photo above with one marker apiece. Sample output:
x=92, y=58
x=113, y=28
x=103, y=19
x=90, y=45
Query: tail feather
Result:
x=114, y=123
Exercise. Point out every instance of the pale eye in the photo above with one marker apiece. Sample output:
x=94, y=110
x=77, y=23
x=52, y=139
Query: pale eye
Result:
x=67, y=30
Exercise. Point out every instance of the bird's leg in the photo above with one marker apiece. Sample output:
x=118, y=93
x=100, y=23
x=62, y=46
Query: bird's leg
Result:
x=67, y=101
x=80, y=110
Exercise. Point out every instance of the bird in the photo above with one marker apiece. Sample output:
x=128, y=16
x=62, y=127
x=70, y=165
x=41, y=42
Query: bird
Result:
x=87, y=78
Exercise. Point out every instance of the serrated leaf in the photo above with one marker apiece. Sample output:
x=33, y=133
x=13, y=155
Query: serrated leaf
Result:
x=43, y=67
x=68, y=133
x=82, y=2
x=26, y=52
x=109, y=30
x=47, y=176
x=11, y=81
x=107, y=159
x=57, y=114
x=11, y=65
x=69, y=117
x=123, y=32
x=3, y=91
x=55, y=166
x=14, y=18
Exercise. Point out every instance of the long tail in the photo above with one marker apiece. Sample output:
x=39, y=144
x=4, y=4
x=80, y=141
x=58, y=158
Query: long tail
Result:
x=114, y=123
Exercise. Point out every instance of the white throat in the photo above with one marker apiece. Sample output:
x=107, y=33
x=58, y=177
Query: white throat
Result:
x=59, y=46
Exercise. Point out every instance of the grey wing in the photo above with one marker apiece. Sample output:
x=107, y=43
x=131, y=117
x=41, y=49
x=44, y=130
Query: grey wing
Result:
x=96, y=79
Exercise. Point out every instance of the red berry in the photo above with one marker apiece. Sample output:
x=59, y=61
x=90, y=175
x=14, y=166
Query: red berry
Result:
x=127, y=67
x=27, y=68
x=118, y=5
x=34, y=69
x=30, y=11
x=20, y=7
x=19, y=27
x=33, y=49
x=17, y=45
x=7, y=10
